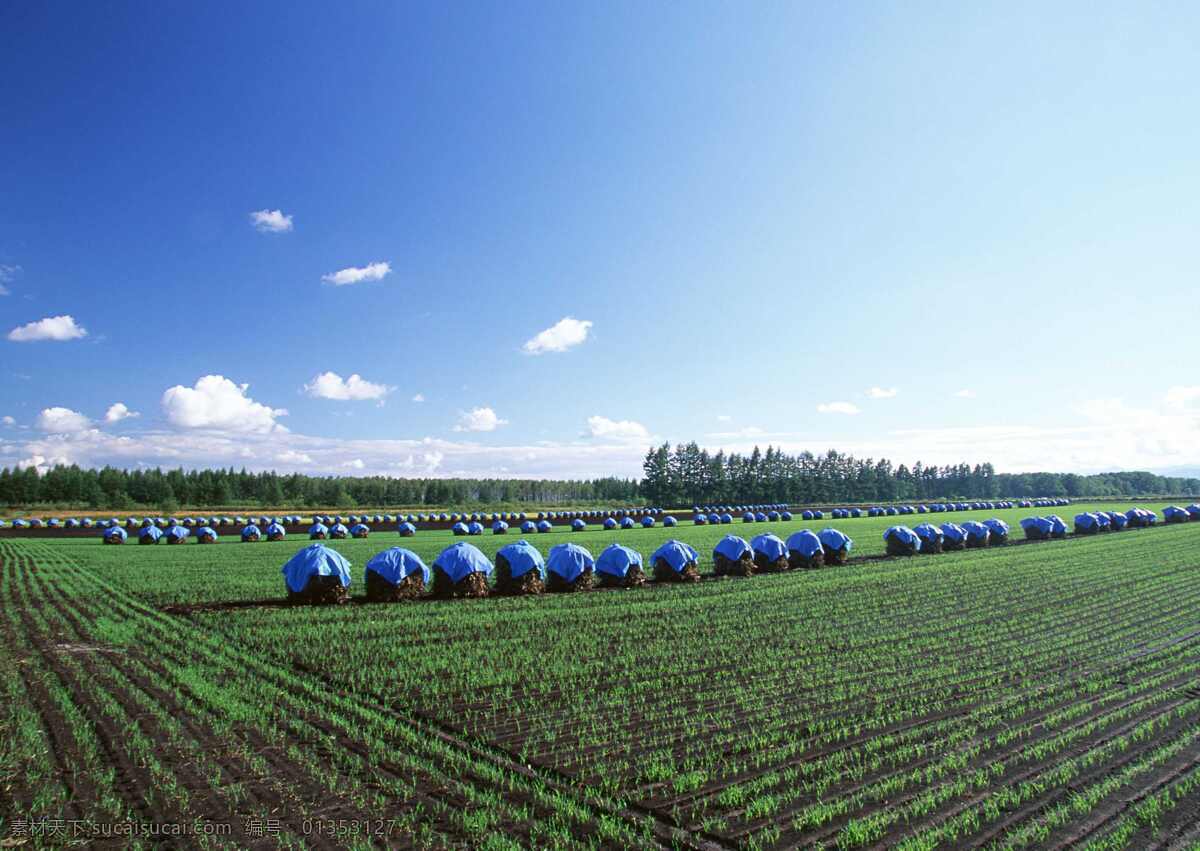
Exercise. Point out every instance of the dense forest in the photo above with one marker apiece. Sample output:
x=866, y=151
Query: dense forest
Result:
x=687, y=475
x=673, y=477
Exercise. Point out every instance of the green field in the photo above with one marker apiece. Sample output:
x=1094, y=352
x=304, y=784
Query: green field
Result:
x=1035, y=695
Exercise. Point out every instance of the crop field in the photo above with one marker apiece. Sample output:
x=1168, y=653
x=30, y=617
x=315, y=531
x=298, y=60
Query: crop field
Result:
x=1037, y=695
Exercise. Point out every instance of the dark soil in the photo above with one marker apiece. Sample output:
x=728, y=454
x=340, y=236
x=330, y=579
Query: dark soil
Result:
x=797, y=561
x=835, y=557
x=379, y=590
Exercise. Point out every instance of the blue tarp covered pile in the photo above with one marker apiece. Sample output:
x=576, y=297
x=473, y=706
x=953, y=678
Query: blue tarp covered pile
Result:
x=206, y=535
x=569, y=567
x=733, y=556
x=459, y=528
x=318, y=531
x=520, y=569
x=902, y=541
x=177, y=534
x=836, y=545
x=620, y=566
x=627, y=523
x=1175, y=514
x=474, y=528
x=610, y=523
x=461, y=570
x=276, y=532
x=931, y=538
x=647, y=522
x=544, y=526
x=748, y=517
x=499, y=528
x=676, y=561
x=360, y=530
x=112, y=535
x=670, y=521
x=406, y=529
x=395, y=574
x=805, y=550
x=770, y=552
x=149, y=535
x=251, y=533
x=528, y=526
x=578, y=525
x=317, y=574
x=1087, y=523
x=1037, y=528
x=978, y=535
x=998, y=530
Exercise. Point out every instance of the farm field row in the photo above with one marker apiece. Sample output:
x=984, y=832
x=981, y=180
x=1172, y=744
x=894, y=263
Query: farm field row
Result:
x=1028, y=696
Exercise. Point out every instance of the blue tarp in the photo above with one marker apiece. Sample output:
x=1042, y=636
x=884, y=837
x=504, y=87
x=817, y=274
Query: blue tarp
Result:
x=627, y=523
x=1118, y=520
x=360, y=529
x=928, y=532
x=276, y=529
x=544, y=526
x=1037, y=525
x=397, y=564
x=700, y=520
x=676, y=554
x=669, y=520
x=528, y=526
x=997, y=527
x=178, y=532
x=499, y=528
x=578, y=525
x=785, y=516
x=315, y=560
x=569, y=561
x=151, y=532
x=251, y=531
x=806, y=514
x=904, y=535
x=610, y=523
x=338, y=530
x=1058, y=526
x=616, y=560
x=834, y=540
x=733, y=547
x=1086, y=521
x=459, y=560
x=769, y=545
x=406, y=529
x=111, y=533
x=1194, y=510
x=317, y=529
x=954, y=532
x=748, y=517
x=207, y=532
x=976, y=530
x=474, y=528
x=1174, y=512
x=647, y=521
x=806, y=542
x=459, y=528
x=523, y=557
x=724, y=518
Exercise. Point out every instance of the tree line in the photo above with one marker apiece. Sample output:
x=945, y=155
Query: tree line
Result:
x=688, y=475
x=681, y=476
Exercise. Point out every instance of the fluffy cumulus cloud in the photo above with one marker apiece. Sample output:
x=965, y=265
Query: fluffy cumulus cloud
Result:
x=479, y=419
x=837, y=408
x=965, y=393
x=8, y=274
x=355, y=464
x=292, y=458
x=882, y=392
x=270, y=221
x=62, y=421
x=56, y=328
x=564, y=334
x=357, y=274
x=330, y=385
x=117, y=412
x=215, y=402
x=606, y=429
x=420, y=397
x=8, y=421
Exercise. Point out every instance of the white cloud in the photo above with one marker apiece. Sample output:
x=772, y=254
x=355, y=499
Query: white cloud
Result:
x=356, y=274
x=559, y=337
x=882, y=392
x=8, y=274
x=837, y=408
x=62, y=421
x=8, y=421
x=215, y=402
x=420, y=397
x=117, y=412
x=270, y=221
x=293, y=457
x=606, y=429
x=1179, y=397
x=356, y=464
x=41, y=463
x=965, y=394
x=330, y=385
x=51, y=328
x=479, y=419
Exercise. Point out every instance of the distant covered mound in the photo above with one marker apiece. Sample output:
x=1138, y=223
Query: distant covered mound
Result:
x=544, y=526
x=804, y=550
x=396, y=574
x=251, y=533
x=317, y=575
x=610, y=523
x=406, y=529
x=997, y=531
x=569, y=567
x=318, y=532
x=676, y=561
x=835, y=546
x=733, y=556
x=1175, y=514
x=499, y=528
x=206, y=535
x=177, y=534
x=770, y=553
x=520, y=569
x=978, y=535
x=360, y=530
x=578, y=525
x=149, y=535
x=461, y=570
x=112, y=535
x=620, y=566
x=1037, y=528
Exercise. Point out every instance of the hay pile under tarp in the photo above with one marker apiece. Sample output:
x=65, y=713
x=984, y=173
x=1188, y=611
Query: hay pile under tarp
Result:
x=461, y=570
x=206, y=535
x=997, y=531
x=978, y=535
x=528, y=527
x=1037, y=528
x=251, y=534
x=474, y=528
x=396, y=574
x=770, y=553
x=1087, y=523
x=902, y=541
x=1175, y=514
x=569, y=567
x=318, y=532
x=1193, y=511
x=931, y=538
x=835, y=546
x=520, y=569
x=544, y=526
x=317, y=575
x=805, y=551
x=733, y=556
x=499, y=528
x=276, y=532
x=1058, y=526
x=620, y=567
x=149, y=535
x=406, y=529
x=114, y=535
x=1117, y=521
x=1141, y=518
x=177, y=534
x=676, y=561
x=338, y=532
x=578, y=525
x=360, y=530
x=459, y=528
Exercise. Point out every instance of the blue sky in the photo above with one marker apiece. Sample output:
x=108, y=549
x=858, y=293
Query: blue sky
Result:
x=760, y=212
